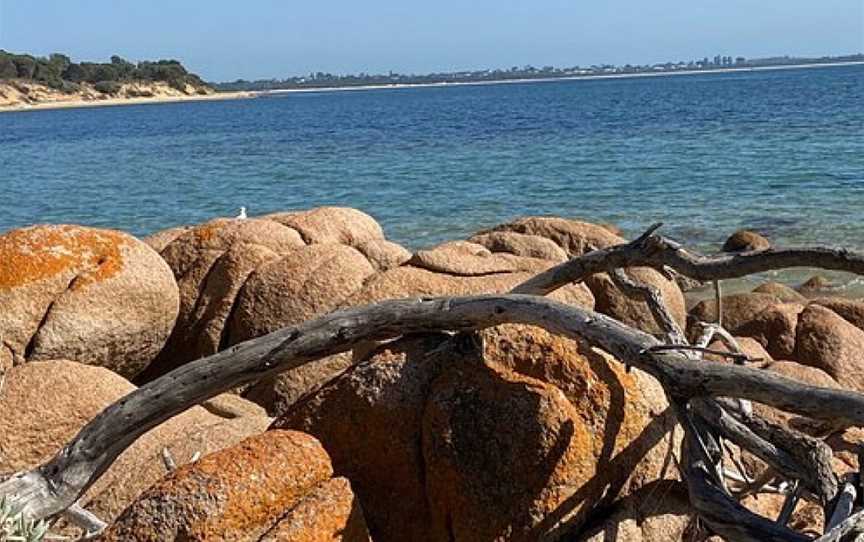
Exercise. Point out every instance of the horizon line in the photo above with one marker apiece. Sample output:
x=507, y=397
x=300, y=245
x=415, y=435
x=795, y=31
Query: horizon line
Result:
x=579, y=66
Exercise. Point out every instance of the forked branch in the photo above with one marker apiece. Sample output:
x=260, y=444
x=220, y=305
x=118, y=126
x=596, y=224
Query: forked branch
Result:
x=653, y=250
x=56, y=485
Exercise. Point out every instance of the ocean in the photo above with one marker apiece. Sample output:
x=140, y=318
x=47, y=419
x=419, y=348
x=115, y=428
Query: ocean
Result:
x=781, y=152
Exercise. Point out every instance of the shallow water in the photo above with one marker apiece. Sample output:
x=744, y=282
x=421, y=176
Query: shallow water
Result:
x=781, y=152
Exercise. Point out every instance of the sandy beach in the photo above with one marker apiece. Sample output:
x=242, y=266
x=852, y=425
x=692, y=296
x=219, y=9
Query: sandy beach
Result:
x=70, y=104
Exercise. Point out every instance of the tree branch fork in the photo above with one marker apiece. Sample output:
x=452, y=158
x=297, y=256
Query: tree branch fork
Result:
x=711, y=399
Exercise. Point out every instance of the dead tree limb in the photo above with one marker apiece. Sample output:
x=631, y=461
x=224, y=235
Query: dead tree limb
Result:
x=56, y=485
x=654, y=299
x=851, y=525
x=722, y=513
x=701, y=350
x=842, y=508
x=806, y=450
x=790, y=503
x=822, y=484
x=718, y=302
x=652, y=250
x=88, y=521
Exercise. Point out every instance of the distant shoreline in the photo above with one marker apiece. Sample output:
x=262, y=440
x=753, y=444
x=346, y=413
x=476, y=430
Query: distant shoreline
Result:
x=111, y=102
x=553, y=79
x=240, y=95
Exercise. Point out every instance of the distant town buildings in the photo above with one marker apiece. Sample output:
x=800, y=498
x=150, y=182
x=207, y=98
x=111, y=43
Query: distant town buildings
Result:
x=327, y=80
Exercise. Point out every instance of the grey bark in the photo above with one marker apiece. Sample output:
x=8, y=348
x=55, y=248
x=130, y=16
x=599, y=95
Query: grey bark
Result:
x=56, y=485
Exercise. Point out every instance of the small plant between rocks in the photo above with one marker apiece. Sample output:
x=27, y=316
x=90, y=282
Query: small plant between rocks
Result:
x=14, y=527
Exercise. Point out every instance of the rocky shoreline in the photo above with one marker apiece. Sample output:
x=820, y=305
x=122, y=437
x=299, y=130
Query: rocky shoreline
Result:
x=539, y=437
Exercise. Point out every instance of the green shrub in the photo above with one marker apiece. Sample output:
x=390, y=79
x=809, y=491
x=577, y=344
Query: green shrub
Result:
x=70, y=88
x=58, y=69
x=177, y=83
x=124, y=68
x=7, y=67
x=50, y=74
x=26, y=66
x=59, y=62
x=105, y=72
x=107, y=87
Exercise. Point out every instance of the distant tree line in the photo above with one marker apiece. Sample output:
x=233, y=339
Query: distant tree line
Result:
x=59, y=72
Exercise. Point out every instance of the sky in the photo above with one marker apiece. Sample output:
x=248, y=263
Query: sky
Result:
x=226, y=40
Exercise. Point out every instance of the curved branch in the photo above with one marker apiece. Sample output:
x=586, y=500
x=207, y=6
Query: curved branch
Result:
x=56, y=485
x=656, y=251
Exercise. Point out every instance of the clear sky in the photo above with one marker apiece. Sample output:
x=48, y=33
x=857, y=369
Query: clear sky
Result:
x=225, y=40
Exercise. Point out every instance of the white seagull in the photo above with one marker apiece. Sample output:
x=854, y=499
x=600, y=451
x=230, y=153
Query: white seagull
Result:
x=242, y=214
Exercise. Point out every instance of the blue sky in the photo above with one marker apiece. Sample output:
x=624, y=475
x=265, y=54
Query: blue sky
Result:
x=225, y=40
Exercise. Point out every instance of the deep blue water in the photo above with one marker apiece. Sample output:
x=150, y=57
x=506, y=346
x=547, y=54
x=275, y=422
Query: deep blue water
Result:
x=779, y=151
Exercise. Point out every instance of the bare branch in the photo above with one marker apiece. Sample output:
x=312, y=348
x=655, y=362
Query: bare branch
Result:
x=852, y=524
x=657, y=251
x=747, y=483
x=723, y=514
x=56, y=485
x=654, y=299
x=779, y=458
x=790, y=503
x=807, y=450
x=718, y=303
x=842, y=508
x=168, y=460
x=685, y=348
x=85, y=519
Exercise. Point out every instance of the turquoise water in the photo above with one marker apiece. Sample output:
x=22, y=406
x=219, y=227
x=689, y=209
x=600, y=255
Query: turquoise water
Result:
x=781, y=152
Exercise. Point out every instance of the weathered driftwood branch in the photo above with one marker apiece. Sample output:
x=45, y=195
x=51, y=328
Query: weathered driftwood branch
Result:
x=56, y=485
x=806, y=450
x=651, y=250
x=851, y=525
x=704, y=447
x=168, y=460
x=814, y=479
x=790, y=503
x=88, y=521
x=842, y=508
x=718, y=302
x=734, y=356
x=808, y=458
x=722, y=513
x=654, y=300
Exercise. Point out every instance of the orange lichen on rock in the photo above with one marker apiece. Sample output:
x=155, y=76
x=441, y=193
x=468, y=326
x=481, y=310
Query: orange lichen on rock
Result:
x=627, y=412
x=85, y=294
x=329, y=513
x=519, y=442
x=207, y=231
x=236, y=494
x=36, y=253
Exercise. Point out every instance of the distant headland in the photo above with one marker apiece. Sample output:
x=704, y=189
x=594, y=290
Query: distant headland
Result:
x=719, y=63
x=30, y=82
